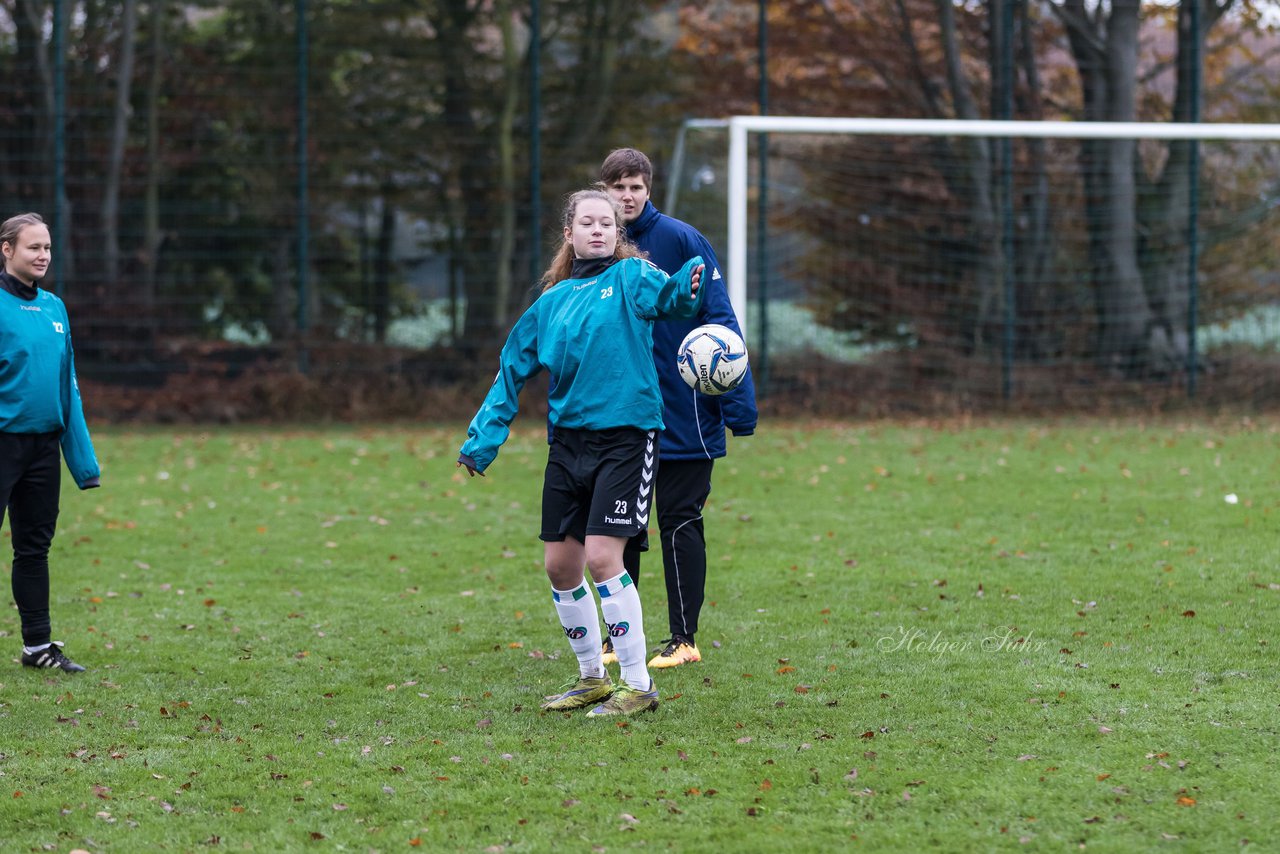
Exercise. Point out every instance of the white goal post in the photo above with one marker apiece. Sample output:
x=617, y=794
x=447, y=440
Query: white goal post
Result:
x=739, y=127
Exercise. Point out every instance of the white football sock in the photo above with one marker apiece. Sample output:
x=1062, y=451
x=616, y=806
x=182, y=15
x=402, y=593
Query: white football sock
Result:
x=581, y=623
x=32, y=650
x=620, y=605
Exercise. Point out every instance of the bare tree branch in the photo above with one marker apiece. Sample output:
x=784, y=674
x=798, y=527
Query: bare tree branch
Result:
x=1081, y=26
x=927, y=89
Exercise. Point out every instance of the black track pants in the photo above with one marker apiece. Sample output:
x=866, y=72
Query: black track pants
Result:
x=683, y=487
x=30, y=488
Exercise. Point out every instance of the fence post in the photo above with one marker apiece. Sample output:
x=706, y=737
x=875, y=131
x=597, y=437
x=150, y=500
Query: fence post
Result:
x=302, y=223
x=1003, y=109
x=1193, y=208
x=535, y=141
x=60, y=239
x=761, y=370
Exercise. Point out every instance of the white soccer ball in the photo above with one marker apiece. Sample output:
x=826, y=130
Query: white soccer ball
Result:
x=712, y=359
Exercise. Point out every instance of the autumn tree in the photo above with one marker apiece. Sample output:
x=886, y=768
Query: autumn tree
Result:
x=908, y=59
x=27, y=108
x=430, y=113
x=944, y=59
x=122, y=63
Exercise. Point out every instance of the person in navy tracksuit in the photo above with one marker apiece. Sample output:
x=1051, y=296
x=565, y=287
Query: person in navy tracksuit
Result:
x=41, y=421
x=694, y=433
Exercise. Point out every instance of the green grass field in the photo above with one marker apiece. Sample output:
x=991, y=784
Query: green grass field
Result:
x=964, y=637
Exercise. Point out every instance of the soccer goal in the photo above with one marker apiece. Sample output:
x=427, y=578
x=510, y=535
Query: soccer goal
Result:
x=1013, y=251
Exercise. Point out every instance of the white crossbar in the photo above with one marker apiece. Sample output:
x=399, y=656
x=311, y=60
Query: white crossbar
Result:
x=741, y=126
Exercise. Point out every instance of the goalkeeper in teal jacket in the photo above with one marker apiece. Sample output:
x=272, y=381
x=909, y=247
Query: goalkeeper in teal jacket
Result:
x=41, y=419
x=592, y=329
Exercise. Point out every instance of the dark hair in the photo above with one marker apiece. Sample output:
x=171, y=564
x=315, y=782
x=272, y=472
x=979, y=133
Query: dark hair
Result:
x=12, y=226
x=562, y=263
x=622, y=162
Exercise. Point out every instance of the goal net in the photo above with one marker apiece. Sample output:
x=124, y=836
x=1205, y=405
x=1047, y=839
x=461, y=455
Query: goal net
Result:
x=898, y=266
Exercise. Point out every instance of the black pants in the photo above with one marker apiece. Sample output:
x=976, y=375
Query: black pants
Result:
x=30, y=487
x=682, y=490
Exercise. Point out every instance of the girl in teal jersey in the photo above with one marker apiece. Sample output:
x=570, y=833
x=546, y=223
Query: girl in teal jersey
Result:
x=41, y=420
x=592, y=329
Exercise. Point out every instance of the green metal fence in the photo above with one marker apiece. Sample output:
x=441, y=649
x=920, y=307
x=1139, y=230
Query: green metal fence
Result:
x=338, y=208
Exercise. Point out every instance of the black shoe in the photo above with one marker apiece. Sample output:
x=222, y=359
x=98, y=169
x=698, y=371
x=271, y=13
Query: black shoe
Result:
x=51, y=656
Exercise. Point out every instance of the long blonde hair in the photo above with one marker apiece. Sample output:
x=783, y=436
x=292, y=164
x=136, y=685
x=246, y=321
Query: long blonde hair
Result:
x=562, y=263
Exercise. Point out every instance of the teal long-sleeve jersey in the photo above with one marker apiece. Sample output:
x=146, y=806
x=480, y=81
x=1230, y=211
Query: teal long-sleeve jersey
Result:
x=595, y=336
x=38, y=389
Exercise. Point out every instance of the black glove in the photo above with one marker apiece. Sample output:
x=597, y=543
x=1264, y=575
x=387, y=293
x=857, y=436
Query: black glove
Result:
x=470, y=465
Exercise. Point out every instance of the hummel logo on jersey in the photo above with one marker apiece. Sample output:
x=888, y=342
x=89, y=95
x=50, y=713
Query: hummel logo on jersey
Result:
x=57, y=327
x=29, y=307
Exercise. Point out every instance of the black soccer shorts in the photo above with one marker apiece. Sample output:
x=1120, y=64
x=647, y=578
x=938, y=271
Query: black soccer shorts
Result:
x=598, y=482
